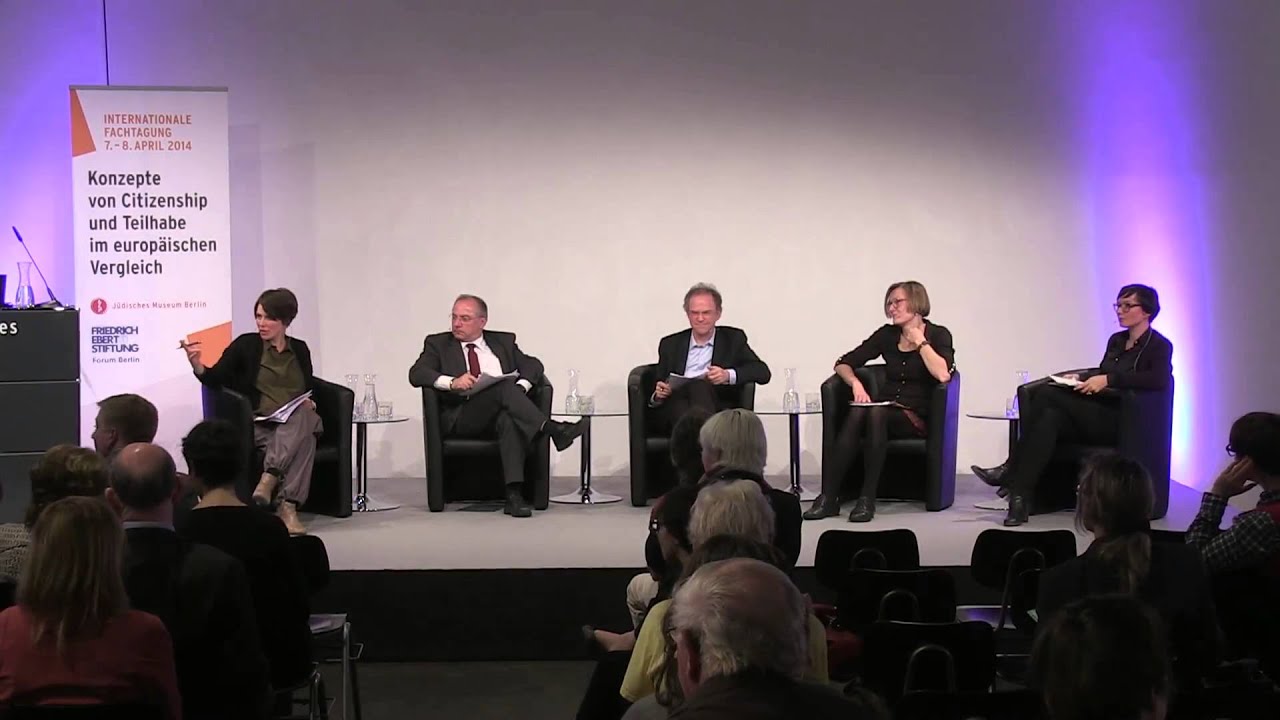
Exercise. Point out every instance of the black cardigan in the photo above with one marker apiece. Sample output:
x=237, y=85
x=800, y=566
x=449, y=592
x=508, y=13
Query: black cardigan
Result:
x=238, y=367
x=1148, y=365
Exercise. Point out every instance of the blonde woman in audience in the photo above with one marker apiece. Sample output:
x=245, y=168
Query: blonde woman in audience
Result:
x=63, y=471
x=72, y=638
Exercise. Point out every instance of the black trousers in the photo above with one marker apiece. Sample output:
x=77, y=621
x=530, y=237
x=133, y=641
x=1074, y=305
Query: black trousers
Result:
x=1058, y=415
x=502, y=409
x=866, y=430
x=693, y=394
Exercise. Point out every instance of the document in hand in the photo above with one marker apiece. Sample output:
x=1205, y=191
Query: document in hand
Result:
x=485, y=381
x=883, y=403
x=1068, y=382
x=675, y=381
x=285, y=411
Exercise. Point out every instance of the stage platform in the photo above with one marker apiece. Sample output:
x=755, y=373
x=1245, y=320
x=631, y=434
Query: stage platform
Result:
x=612, y=536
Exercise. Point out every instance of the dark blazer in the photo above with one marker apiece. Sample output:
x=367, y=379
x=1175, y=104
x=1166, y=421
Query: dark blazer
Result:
x=201, y=594
x=1177, y=587
x=786, y=510
x=731, y=352
x=237, y=369
x=759, y=695
x=442, y=355
x=1148, y=366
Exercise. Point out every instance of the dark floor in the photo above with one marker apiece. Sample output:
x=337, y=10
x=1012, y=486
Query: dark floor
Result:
x=467, y=690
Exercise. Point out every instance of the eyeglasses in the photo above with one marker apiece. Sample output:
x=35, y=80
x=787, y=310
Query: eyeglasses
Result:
x=890, y=304
x=654, y=525
x=1125, y=306
x=461, y=318
x=1231, y=451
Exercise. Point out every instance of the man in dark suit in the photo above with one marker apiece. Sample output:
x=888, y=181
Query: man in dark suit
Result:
x=453, y=362
x=199, y=592
x=716, y=357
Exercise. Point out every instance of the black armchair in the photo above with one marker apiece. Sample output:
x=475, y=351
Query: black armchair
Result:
x=917, y=469
x=1146, y=435
x=473, y=470
x=651, y=470
x=331, y=475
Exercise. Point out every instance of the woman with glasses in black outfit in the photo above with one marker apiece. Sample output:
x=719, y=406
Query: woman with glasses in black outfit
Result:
x=1137, y=358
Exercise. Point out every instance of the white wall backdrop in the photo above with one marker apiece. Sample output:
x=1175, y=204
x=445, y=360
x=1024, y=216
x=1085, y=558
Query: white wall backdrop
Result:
x=579, y=164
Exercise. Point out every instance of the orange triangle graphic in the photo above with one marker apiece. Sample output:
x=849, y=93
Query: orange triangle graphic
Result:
x=213, y=341
x=81, y=138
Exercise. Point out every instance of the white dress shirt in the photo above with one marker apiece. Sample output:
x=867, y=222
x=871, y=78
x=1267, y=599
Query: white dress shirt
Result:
x=489, y=365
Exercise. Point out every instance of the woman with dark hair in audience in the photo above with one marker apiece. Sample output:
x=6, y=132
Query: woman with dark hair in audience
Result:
x=257, y=539
x=1114, y=505
x=1103, y=657
x=1137, y=357
x=63, y=471
x=72, y=639
x=918, y=355
x=271, y=369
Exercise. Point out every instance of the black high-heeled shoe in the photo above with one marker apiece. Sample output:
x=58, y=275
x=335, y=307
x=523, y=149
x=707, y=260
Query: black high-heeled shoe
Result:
x=1018, y=514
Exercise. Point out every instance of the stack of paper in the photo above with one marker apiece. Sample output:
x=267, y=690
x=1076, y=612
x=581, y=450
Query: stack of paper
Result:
x=286, y=410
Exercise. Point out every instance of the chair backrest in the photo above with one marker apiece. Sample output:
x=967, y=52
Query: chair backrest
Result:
x=313, y=558
x=1175, y=537
x=8, y=592
x=927, y=595
x=1007, y=705
x=840, y=551
x=890, y=655
x=123, y=711
x=995, y=550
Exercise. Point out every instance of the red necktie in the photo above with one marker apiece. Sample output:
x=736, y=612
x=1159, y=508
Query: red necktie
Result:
x=473, y=360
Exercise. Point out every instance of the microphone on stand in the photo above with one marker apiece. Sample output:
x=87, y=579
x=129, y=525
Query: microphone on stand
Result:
x=53, y=299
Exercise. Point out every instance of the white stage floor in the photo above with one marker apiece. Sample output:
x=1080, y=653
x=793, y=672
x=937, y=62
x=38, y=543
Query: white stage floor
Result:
x=612, y=536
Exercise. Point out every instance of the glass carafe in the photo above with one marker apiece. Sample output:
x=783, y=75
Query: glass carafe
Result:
x=791, y=398
x=25, y=296
x=369, y=405
x=571, y=404
x=1011, y=410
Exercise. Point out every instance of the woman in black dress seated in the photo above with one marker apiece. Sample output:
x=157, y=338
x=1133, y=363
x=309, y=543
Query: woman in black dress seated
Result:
x=1136, y=357
x=918, y=355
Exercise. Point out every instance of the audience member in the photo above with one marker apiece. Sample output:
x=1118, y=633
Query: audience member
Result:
x=725, y=508
x=734, y=447
x=123, y=420
x=199, y=592
x=1103, y=658
x=63, y=471
x=686, y=445
x=741, y=651
x=72, y=637
x=257, y=539
x=1115, y=499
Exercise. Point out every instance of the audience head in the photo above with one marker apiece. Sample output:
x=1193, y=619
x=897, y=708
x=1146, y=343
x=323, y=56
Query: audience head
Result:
x=905, y=301
x=1136, y=304
x=736, y=615
x=736, y=507
x=671, y=522
x=702, y=305
x=1103, y=658
x=469, y=316
x=72, y=583
x=686, y=450
x=734, y=440
x=65, y=471
x=123, y=419
x=214, y=453
x=1255, y=437
x=1115, y=499
x=143, y=479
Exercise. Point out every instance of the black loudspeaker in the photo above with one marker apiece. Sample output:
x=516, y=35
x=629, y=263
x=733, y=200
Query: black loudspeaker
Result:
x=3, y=278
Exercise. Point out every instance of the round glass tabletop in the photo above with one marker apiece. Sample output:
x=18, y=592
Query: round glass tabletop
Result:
x=993, y=415
x=595, y=413
x=378, y=420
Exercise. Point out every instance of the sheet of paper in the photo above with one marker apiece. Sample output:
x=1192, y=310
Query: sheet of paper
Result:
x=884, y=403
x=1061, y=380
x=286, y=410
x=485, y=381
x=675, y=381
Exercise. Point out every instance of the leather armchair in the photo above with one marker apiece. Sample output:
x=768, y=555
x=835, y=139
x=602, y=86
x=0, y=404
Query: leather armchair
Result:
x=916, y=468
x=651, y=470
x=1145, y=435
x=470, y=468
x=331, y=475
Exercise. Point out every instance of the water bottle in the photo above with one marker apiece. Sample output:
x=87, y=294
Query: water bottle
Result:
x=791, y=398
x=351, y=381
x=369, y=405
x=1012, y=409
x=571, y=404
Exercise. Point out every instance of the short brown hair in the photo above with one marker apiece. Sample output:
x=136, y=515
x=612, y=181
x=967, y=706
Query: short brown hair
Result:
x=278, y=304
x=704, y=289
x=65, y=471
x=481, y=305
x=133, y=417
x=917, y=297
x=72, y=583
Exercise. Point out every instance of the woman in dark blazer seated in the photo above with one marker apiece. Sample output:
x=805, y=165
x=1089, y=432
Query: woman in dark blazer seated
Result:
x=918, y=355
x=1115, y=502
x=1137, y=358
x=271, y=368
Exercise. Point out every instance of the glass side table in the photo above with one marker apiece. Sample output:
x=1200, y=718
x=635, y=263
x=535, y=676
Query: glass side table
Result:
x=585, y=494
x=362, y=502
x=1015, y=430
x=793, y=424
